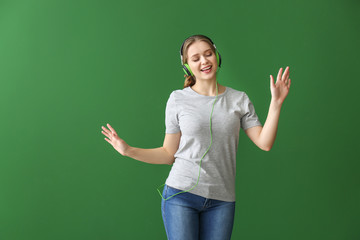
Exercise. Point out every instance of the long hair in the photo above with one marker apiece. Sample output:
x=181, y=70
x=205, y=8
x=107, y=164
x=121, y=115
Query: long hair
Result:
x=191, y=80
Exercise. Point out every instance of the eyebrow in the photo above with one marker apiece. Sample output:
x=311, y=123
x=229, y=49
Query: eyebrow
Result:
x=198, y=54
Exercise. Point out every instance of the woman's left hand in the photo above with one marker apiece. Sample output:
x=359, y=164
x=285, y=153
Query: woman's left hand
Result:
x=280, y=89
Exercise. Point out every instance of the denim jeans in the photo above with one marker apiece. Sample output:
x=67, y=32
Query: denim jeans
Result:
x=188, y=216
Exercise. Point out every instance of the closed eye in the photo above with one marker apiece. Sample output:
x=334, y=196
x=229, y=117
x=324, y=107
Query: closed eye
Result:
x=195, y=60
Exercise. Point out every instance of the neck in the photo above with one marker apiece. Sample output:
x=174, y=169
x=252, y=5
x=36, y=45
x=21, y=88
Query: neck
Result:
x=207, y=88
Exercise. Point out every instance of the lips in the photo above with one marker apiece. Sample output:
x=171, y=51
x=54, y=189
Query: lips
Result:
x=206, y=68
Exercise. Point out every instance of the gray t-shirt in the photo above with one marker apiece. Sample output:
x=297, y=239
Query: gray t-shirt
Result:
x=189, y=112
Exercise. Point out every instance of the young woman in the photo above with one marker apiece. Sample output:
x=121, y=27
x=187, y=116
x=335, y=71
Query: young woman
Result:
x=203, y=121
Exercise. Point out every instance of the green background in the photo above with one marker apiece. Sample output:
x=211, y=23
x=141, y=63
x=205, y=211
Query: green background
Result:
x=69, y=67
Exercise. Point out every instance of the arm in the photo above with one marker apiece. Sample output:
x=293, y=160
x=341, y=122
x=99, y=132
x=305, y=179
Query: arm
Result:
x=264, y=137
x=161, y=155
x=153, y=155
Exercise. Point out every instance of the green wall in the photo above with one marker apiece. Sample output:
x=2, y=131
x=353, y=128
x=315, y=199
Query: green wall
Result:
x=69, y=67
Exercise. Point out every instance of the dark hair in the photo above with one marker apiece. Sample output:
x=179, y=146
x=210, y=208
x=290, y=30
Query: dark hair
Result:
x=190, y=80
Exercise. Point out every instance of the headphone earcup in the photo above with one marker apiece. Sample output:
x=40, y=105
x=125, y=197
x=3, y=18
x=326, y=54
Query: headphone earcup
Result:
x=218, y=58
x=187, y=70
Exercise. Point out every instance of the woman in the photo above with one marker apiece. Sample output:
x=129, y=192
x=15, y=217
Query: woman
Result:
x=202, y=132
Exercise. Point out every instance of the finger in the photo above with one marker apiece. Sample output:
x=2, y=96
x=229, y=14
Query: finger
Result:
x=106, y=130
x=285, y=76
x=279, y=75
x=272, y=84
x=109, y=141
x=107, y=135
x=289, y=83
x=111, y=129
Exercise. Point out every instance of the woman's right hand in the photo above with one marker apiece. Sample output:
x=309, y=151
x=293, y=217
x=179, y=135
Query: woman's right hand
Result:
x=120, y=145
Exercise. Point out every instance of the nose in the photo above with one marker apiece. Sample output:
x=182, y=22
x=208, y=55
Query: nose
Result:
x=204, y=60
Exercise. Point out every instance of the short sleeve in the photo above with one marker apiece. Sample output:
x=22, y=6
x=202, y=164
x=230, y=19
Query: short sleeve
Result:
x=171, y=116
x=250, y=118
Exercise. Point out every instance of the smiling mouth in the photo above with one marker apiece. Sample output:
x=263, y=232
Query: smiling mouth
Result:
x=207, y=70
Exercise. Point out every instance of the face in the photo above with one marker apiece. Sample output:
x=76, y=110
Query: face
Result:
x=201, y=56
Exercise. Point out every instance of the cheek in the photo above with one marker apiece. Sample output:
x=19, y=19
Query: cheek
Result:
x=193, y=66
x=214, y=58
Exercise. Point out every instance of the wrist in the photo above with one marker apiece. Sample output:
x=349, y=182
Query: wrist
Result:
x=127, y=151
x=276, y=104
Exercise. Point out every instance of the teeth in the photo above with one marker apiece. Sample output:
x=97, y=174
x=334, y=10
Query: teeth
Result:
x=206, y=68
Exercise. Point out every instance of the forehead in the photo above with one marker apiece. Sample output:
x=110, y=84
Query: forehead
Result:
x=198, y=47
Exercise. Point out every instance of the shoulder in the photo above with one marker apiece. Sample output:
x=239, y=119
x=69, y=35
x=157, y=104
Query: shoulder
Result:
x=237, y=94
x=176, y=96
x=179, y=93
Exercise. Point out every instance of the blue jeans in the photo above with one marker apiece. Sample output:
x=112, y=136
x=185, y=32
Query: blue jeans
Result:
x=188, y=216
